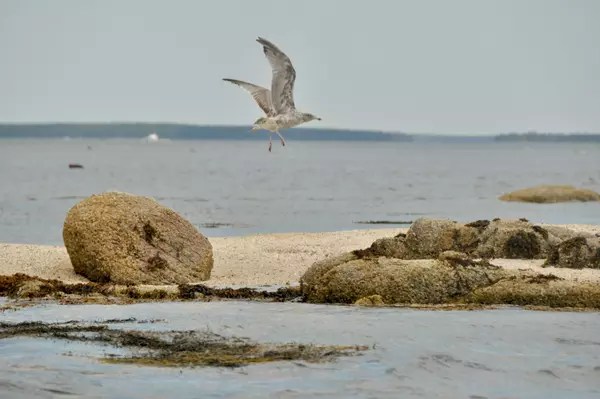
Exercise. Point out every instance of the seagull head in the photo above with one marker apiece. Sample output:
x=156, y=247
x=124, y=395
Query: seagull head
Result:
x=258, y=123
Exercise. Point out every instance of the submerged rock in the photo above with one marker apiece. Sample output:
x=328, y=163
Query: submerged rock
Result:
x=544, y=194
x=191, y=348
x=127, y=239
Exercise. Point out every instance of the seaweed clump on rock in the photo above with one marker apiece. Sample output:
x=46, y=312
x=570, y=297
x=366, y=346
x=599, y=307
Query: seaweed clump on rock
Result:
x=22, y=286
x=576, y=253
x=178, y=348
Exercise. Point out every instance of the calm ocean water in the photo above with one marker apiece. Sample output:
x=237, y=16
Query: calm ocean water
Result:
x=501, y=354
x=305, y=186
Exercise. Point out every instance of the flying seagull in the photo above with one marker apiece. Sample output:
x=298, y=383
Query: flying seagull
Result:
x=277, y=103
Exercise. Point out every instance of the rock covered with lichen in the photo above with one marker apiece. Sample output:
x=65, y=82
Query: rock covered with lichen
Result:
x=441, y=261
x=348, y=278
x=128, y=239
x=499, y=238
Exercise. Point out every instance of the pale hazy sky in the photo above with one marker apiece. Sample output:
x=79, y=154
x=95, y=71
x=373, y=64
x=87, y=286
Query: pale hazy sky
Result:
x=461, y=66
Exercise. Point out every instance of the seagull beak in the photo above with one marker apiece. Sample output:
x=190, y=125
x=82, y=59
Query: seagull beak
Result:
x=254, y=128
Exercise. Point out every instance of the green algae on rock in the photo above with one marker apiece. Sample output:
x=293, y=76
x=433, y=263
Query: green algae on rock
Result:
x=128, y=239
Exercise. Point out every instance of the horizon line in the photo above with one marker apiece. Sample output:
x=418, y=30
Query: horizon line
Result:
x=455, y=134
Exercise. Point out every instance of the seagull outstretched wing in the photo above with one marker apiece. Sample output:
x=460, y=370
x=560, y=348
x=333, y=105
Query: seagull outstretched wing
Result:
x=261, y=95
x=284, y=76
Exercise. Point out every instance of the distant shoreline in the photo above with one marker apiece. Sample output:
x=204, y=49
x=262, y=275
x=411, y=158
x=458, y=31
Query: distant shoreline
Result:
x=175, y=131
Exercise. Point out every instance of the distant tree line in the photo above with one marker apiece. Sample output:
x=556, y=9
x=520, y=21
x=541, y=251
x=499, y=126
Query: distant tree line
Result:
x=549, y=137
x=184, y=132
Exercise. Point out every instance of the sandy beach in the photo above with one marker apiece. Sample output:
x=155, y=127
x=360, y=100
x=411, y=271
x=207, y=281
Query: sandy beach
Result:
x=262, y=259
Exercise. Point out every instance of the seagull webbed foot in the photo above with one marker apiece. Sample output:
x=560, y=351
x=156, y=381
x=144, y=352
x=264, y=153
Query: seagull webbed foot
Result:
x=281, y=139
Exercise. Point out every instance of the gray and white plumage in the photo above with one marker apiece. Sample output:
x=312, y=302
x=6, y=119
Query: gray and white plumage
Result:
x=261, y=95
x=284, y=76
x=277, y=103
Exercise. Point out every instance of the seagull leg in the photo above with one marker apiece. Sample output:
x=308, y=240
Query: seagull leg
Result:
x=281, y=139
x=269, y=141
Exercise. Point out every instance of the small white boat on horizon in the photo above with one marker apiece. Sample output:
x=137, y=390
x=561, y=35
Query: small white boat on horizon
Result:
x=152, y=137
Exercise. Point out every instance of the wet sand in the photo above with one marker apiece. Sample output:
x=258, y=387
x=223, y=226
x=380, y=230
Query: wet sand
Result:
x=262, y=259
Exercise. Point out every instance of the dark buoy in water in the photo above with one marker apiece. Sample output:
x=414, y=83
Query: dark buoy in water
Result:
x=75, y=166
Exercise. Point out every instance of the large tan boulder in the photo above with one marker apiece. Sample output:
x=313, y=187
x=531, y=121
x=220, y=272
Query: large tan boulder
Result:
x=346, y=279
x=544, y=194
x=128, y=239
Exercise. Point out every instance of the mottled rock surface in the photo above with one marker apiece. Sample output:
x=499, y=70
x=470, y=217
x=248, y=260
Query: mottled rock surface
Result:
x=127, y=239
x=441, y=261
x=514, y=239
x=346, y=279
x=576, y=253
x=509, y=239
x=372, y=301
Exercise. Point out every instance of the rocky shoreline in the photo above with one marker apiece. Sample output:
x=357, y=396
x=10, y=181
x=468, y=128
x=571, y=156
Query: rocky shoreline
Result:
x=442, y=262
x=122, y=248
